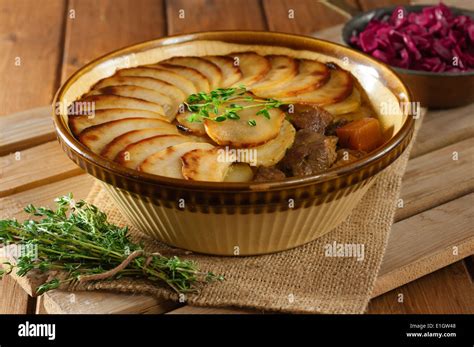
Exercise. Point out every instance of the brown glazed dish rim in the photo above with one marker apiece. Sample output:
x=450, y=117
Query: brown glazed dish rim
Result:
x=79, y=150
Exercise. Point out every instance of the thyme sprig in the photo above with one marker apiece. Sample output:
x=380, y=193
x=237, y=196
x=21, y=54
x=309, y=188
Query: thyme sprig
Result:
x=209, y=105
x=77, y=241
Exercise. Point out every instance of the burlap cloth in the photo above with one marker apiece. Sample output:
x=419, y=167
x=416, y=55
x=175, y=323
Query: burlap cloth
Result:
x=299, y=280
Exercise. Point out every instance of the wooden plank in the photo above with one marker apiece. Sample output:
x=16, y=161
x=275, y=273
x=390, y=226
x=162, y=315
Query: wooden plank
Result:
x=422, y=243
x=34, y=167
x=13, y=299
x=443, y=128
x=298, y=16
x=25, y=129
x=371, y=4
x=436, y=178
x=447, y=291
x=31, y=45
x=99, y=302
x=99, y=27
x=186, y=16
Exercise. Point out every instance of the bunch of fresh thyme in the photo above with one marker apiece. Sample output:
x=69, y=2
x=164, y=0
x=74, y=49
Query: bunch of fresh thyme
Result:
x=208, y=105
x=77, y=240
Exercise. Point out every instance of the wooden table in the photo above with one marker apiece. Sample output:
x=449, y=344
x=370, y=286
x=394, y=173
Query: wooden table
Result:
x=43, y=42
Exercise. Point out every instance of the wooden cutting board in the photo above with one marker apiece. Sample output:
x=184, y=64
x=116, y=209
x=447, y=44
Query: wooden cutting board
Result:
x=433, y=226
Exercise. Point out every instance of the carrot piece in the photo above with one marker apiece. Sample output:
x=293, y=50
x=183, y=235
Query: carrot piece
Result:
x=363, y=134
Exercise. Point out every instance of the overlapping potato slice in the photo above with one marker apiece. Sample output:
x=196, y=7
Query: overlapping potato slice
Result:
x=132, y=155
x=175, y=94
x=238, y=133
x=311, y=75
x=336, y=89
x=231, y=74
x=150, y=95
x=79, y=123
x=239, y=172
x=274, y=150
x=195, y=128
x=121, y=142
x=349, y=104
x=186, y=86
x=98, y=136
x=167, y=162
x=212, y=72
x=253, y=66
x=282, y=69
x=204, y=165
x=197, y=78
x=105, y=102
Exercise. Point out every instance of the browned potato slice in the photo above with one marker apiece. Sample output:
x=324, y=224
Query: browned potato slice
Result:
x=336, y=89
x=239, y=172
x=98, y=136
x=311, y=75
x=207, y=68
x=105, y=102
x=178, y=81
x=230, y=74
x=167, y=162
x=79, y=123
x=204, y=165
x=274, y=150
x=282, y=69
x=196, y=128
x=169, y=107
x=119, y=143
x=349, y=104
x=198, y=79
x=174, y=93
x=238, y=133
x=132, y=155
x=254, y=67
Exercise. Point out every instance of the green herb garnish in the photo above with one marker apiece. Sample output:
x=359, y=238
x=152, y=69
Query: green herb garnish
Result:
x=206, y=105
x=77, y=241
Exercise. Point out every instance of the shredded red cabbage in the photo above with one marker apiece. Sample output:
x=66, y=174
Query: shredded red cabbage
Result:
x=432, y=40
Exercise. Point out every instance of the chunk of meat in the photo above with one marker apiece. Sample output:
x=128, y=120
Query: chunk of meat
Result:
x=311, y=153
x=346, y=156
x=310, y=117
x=268, y=174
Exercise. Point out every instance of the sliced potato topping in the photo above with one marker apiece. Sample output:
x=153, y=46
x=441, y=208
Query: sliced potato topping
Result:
x=121, y=142
x=133, y=155
x=238, y=133
x=204, y=165
x=336, y=89
x=254, y=67
x=195, y=128
x=206, y=67
x=198, y=79
x=79, y=123
x=231, y=74
x=167, y=162
x=105, y=102
x=350, y=104
x=175, y=94
x=239, y=172
x=283, y=68
x=311, y=75
x=98, y=136
x=186, y=86
x=274, y=150
x=150, y=95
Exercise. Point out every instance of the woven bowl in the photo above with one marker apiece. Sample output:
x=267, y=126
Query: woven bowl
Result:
x=239, y=218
